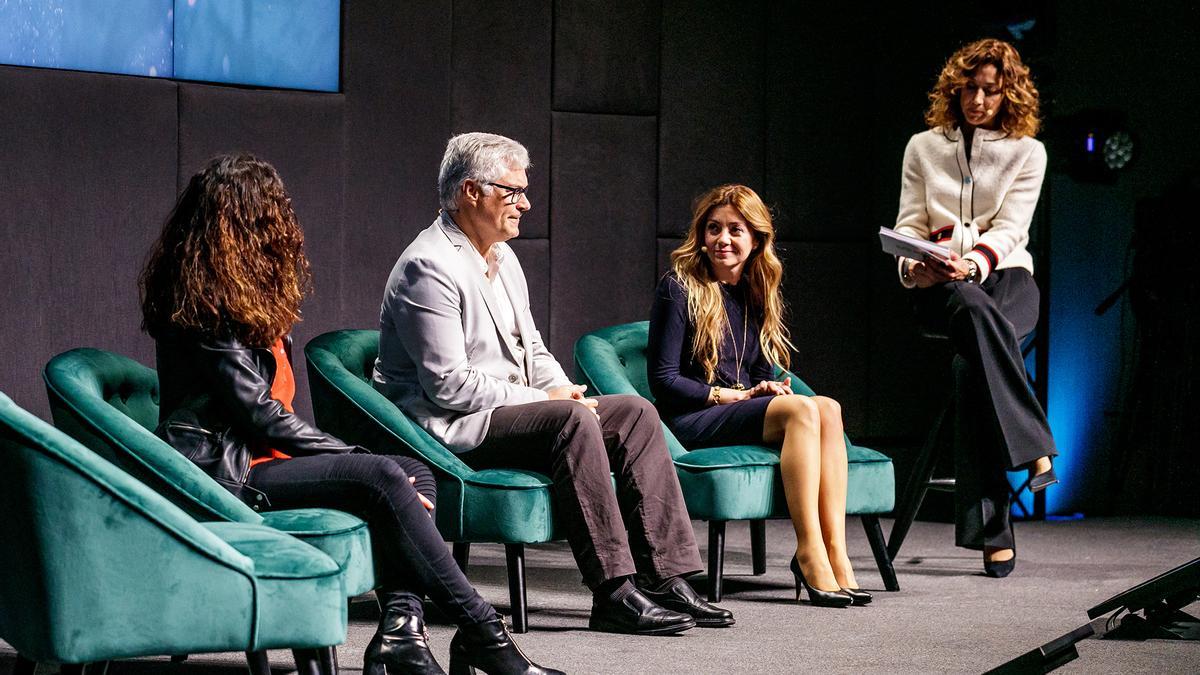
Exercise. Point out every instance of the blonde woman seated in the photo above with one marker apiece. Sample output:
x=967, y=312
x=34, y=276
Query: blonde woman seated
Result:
x=716, y=332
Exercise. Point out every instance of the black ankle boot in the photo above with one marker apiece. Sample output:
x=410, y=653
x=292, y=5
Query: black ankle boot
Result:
x=400, y=646
x=489, y=647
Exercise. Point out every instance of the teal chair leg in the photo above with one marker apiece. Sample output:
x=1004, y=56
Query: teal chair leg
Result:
x=879, y=547
x=515, y=553
x=758, y=546
x=716, y=559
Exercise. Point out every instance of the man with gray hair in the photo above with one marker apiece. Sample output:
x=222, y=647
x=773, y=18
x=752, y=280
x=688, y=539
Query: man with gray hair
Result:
x=458, y=352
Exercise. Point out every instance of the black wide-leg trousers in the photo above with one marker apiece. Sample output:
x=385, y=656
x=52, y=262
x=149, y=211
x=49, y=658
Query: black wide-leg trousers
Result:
x=411, y=558
x=999, y=424
x=643, y=527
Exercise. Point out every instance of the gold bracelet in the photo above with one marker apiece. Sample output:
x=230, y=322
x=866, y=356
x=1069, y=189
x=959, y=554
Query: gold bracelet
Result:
x=716, y=395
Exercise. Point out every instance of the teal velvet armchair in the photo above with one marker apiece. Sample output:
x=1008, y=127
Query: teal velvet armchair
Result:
x=739, y=482
x=109, y=403
x=98, y=567
x=507, y=506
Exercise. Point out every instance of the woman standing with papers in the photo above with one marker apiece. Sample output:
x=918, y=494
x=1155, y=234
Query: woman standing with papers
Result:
x=970, y=184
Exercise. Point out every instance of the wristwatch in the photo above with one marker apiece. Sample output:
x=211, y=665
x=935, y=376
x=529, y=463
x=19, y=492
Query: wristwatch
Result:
x=973, y=272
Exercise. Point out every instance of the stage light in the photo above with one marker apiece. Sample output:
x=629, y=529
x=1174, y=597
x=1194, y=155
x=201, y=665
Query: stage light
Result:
x=1095, y=144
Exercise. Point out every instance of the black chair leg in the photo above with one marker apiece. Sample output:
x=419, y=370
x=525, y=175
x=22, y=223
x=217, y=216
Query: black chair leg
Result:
x=462, y=554
x=515, y=553
x=915, y=488
x=257, y=663
x=24, y=666
x=307, y=661
x=879, y=548
x=716, y=559
x=758, y=546
x=95, y=668
x=327, y=658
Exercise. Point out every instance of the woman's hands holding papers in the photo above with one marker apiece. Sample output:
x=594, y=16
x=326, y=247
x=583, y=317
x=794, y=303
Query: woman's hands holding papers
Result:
x=932, y=271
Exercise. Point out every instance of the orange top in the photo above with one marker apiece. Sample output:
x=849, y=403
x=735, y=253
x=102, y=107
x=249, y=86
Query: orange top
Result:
x=283, y=389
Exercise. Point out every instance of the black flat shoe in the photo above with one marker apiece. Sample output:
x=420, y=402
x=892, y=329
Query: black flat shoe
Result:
x=489, y=647
x=401, y=646
x=1043, y=480
x=680, y=597
x=858, y=596
x=998, y=569
x=816, y=596
x=636, y=614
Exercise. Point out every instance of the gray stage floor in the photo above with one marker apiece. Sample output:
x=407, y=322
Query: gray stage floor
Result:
x=947, y=616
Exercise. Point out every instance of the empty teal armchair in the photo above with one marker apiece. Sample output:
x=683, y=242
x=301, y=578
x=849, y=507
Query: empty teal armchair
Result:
x=109, y=403
x=738, y=482
x=505, y=506
x=97, y=567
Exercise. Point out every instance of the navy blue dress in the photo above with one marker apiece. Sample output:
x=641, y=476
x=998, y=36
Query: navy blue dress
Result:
x=680, y=389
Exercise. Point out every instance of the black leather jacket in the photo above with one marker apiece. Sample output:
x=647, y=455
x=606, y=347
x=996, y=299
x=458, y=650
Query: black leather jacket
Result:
x=216, y=408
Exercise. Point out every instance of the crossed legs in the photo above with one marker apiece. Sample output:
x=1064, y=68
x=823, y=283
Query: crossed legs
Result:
x=814, y=468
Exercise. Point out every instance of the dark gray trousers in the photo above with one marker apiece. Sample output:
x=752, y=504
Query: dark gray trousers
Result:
x=581, y=454
x=999, y=424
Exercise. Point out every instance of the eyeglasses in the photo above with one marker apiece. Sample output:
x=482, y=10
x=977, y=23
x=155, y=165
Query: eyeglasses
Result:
x=514, y=193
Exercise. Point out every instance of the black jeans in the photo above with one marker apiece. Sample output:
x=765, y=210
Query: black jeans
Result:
x=641, y=528
x=411, y=558
x=999, y=424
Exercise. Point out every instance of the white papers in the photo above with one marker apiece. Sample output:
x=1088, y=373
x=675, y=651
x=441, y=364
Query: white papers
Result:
x=910, y=247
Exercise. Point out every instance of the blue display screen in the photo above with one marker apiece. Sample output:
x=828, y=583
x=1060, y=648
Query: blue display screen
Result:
x=290, y=44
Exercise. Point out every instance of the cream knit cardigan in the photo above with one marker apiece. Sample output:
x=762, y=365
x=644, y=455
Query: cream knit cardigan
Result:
x=979, y=207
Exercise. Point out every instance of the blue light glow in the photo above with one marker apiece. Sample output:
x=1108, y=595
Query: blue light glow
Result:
x=1091, y=143
x=294, y=44
x=130, y=37
x=291, y=44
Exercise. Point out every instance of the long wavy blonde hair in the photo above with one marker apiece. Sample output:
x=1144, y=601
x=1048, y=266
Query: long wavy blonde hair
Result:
x=1018, y=115
x=762, y=271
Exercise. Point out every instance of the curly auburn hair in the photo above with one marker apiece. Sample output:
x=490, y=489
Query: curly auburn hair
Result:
x=763, y=271
x=1018, y=114
x=230, y=260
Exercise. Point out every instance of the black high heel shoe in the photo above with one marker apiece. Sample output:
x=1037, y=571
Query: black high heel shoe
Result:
x=1043, y=480
x=858, y=597
x=816, y=596
x=998, y=569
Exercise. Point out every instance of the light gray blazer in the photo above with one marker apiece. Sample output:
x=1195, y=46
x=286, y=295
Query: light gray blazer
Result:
x=443, y=357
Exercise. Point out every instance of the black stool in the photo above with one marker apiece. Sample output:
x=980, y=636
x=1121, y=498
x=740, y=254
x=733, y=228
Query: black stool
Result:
x=921, y=480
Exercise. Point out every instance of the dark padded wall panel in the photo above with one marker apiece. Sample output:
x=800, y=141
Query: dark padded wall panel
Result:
x=301, y=134
x=501, y=84
x=602, y=243
x=820, y=107
x=87, y=176
x=606, y=56
x=829, y=322
x=535, y=260
x=396, y=79
x=665, y=246
x=712, y=123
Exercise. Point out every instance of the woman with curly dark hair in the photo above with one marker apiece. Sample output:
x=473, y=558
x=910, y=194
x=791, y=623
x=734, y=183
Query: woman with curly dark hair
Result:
x=716, y=335
x=220, y=293
x=970, y=183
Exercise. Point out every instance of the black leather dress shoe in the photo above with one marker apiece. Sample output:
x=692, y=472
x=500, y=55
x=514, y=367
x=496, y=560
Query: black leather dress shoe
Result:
x=636, y=614
x=679, y=596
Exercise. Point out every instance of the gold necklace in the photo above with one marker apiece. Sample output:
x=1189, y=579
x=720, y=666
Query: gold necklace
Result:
x=738, y=356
